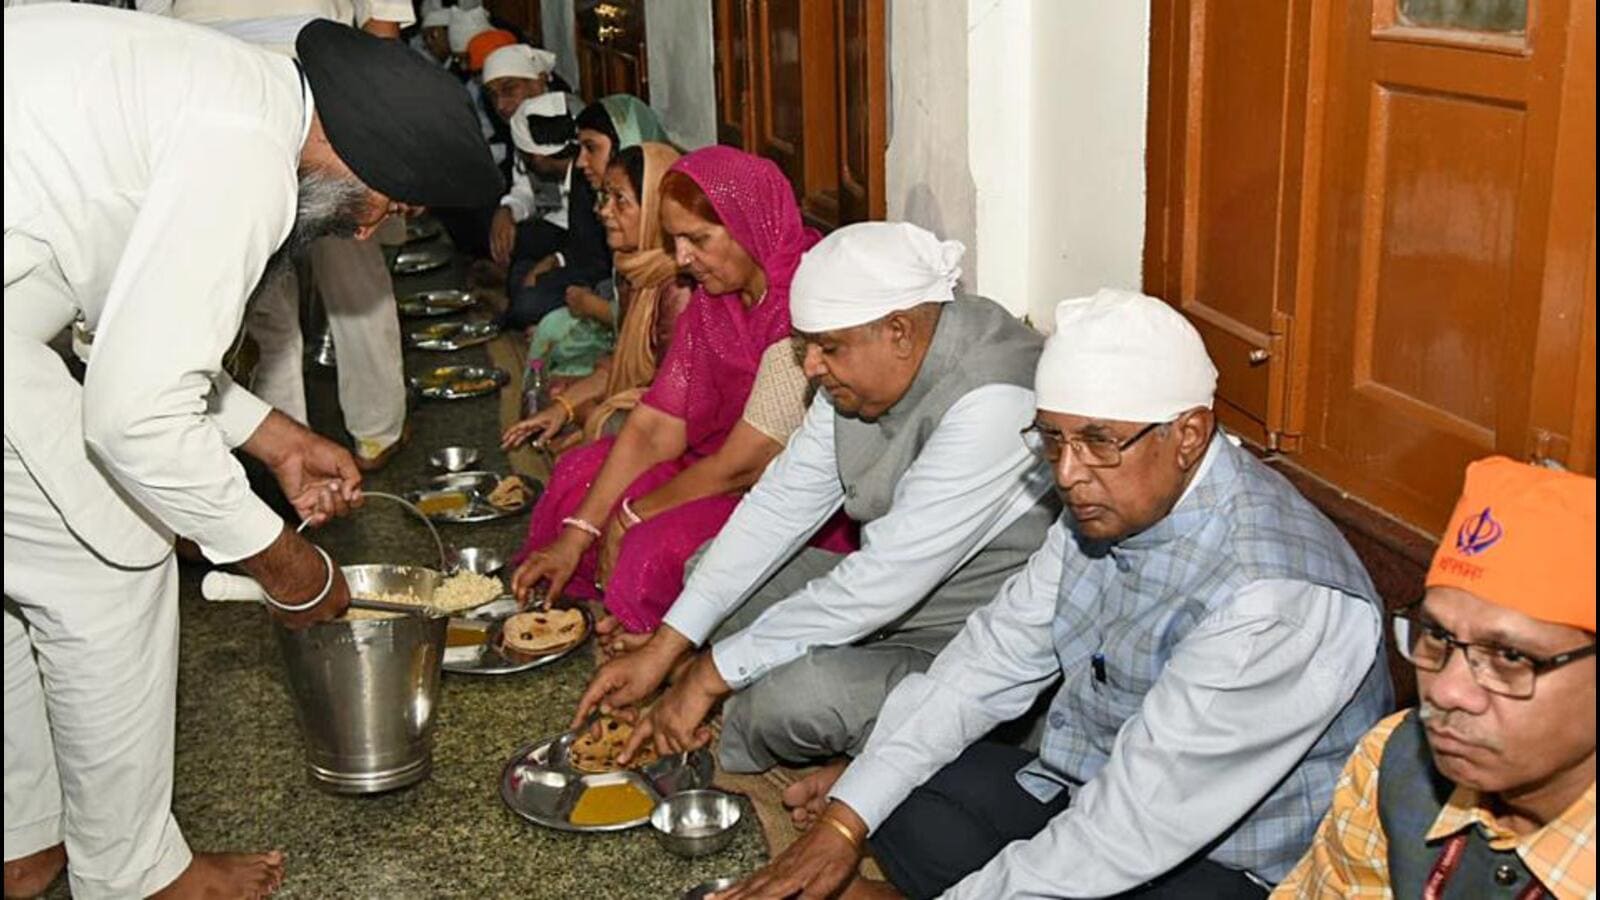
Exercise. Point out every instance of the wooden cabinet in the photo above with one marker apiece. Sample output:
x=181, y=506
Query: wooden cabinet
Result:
x=1382, y=221
x=803, y=82
x=611, y=49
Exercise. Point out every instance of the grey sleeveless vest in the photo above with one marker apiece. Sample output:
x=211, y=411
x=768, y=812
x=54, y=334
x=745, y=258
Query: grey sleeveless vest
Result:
x=1135, y=601
x=977, y=343
x=1411, y=793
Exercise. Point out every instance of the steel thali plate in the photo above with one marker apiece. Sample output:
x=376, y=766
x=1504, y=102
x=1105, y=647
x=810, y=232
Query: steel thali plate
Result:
x=443, y=302
x=413, y=260
x=449, y=336
x=490, y=657
x=459, y=382
x=539, y=784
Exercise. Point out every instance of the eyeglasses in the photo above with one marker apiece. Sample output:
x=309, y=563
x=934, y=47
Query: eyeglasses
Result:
x=1499, y=670
x=1095, y=452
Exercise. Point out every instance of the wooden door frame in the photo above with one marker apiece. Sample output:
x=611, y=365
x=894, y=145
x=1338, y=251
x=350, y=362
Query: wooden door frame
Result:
x=1172, y=164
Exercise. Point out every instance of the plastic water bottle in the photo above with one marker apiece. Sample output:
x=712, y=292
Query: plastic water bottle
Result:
x=534, y=385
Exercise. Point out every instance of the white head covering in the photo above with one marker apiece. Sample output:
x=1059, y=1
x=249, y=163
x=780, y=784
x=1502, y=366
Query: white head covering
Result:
x=436, y=18
x=428, y=6
x=1123, y=356
x=517, y=61
x=466, y=24
x=549, y=104
x=866, y=271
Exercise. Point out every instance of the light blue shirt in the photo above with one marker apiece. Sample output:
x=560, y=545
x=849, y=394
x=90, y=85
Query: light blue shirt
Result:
x=971, y=481
x=1243, y=698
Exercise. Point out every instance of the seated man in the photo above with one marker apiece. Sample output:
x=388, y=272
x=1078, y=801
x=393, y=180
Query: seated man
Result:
x=1217, y=643
x=1487, y=790
x=546, y=231
x=914, y=434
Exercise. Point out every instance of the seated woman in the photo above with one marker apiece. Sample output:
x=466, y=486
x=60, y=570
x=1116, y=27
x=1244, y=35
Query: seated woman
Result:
x=644, y=276
x=675, y=471
x=571, y=338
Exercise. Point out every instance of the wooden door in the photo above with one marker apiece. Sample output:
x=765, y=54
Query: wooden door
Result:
x=862, y=44
x=1452, y=233
x=1225, y=131
x=796, y=121
x=611, y=49
x=733, y=67
x=804, y=83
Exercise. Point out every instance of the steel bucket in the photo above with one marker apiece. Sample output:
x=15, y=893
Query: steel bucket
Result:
x=365, y=690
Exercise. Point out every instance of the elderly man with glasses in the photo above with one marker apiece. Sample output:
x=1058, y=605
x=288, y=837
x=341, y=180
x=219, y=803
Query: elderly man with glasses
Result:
x=1217, y=646
x=1486, y=789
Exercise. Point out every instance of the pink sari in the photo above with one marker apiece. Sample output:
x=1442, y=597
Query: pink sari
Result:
x=705, y=381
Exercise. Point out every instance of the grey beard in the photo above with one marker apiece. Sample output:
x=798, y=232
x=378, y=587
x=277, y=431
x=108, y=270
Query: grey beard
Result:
x=326, y=206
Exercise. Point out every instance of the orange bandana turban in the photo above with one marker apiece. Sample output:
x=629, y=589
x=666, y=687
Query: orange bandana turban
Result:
x=479, y=48
x=1523, y=537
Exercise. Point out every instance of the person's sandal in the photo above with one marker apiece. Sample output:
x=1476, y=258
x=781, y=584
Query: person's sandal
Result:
x=374, y=463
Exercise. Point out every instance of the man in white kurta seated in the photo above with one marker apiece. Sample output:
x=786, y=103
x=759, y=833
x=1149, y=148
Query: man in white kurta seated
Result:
x=914, y=434
x=1212, y=641
x=147, y=217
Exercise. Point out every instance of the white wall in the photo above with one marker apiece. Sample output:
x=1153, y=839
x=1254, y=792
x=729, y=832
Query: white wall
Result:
x=929, y=180
x=1041, y=169
x=559, y=22
x=681, y=56
x=1091, y=71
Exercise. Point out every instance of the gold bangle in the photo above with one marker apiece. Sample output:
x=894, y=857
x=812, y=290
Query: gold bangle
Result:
x=844, y=830
x=566, y=405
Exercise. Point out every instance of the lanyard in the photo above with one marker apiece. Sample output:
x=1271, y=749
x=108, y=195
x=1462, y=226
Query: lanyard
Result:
x=1450, y=859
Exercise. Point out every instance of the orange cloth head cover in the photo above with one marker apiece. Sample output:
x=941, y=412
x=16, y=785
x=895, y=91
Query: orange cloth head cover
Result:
x=1522, y=537
x=479, y=48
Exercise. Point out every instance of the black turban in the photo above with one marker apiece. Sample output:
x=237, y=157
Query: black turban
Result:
x=404, y=126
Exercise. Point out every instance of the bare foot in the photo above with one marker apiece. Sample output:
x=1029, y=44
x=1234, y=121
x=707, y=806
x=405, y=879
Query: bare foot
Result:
x=807, y=797
x=226, y=876
x=31, y=875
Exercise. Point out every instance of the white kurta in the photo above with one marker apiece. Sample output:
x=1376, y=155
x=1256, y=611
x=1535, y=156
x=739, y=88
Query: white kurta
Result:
x=149, y=174
x=351, y=275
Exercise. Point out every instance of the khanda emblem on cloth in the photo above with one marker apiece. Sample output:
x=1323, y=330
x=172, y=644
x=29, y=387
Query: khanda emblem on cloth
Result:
x=1478, y=533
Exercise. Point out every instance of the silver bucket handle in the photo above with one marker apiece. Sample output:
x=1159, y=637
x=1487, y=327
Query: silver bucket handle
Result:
x=439, y=544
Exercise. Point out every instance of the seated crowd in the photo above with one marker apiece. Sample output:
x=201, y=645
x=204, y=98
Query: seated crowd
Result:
x=1043, y=626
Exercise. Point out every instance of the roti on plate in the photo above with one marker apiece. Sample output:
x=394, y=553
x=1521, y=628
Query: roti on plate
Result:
x=597, y=753
x=543, y=631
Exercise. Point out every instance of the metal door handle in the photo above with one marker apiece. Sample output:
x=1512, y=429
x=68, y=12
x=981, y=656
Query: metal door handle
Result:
x=607, y=32
x=1259, y=355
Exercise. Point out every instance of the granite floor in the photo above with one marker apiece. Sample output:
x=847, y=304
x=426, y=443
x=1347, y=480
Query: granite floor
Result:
x=241, y=781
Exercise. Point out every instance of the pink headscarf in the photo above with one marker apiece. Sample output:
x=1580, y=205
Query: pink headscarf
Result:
x=711, y=363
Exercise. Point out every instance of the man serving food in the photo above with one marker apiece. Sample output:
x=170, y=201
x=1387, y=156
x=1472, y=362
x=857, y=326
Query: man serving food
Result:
x=154, y=171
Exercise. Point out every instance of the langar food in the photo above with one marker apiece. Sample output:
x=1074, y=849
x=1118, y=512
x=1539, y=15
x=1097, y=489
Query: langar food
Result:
x=510, y=493
x=443, y=503
x=475, y=385
x=543, y=631
x=596, y=750
x=611, y=804
x=466, y=590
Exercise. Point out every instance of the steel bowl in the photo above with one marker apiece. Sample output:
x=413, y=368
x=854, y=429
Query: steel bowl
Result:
x=454, y=459
x=696, y=823
x=706, y=888
x=479, y=560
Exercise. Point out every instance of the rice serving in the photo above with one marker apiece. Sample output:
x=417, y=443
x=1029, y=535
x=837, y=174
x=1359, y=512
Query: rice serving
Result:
x=458, y=593
x=465, y=590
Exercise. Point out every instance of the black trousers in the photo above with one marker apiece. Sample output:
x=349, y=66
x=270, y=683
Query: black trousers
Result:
x=536, y=239
x=966, y=814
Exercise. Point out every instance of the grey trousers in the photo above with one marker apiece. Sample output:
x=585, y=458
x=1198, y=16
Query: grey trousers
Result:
x=821, y=705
